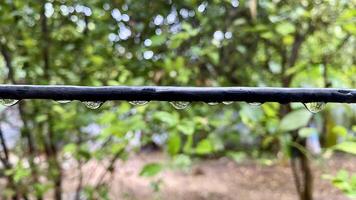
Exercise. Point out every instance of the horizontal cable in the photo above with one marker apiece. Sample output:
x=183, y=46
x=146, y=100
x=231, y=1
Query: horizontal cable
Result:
x=168, y=93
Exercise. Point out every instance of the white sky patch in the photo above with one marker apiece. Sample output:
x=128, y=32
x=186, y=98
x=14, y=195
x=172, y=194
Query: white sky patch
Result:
x=125, y=18
x=124, y=32
x=218, y=35
x=158, y=31
x=112, y=37
x=81, y=25
x=228, y=35
x=106, y=6
x=235, y=3
x=87, y=11
x=202, y=7
x=64, y=10
x=191, y=13
x=70, y=9
x=158, y=20
x=172, y=17
x=79, y=8
x=49, y=9
x=116, y=14
x=147, y=42
x=184, y=13
x=147, y=55
x=74, y=18
x=120, y=49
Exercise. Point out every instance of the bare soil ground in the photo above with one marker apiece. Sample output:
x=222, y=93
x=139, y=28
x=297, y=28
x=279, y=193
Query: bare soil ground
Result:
x=213, y=179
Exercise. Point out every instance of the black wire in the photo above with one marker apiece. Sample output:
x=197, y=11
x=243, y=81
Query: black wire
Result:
x=168, y=93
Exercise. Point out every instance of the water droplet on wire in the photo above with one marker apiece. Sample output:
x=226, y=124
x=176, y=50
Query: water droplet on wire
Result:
x=315, y=107
x=93, y=104
x=8, y=102
x=180, y=104
x=213, y=103
x=63, y=101
x=255, y=103
x=138, y=103
x=227, y=102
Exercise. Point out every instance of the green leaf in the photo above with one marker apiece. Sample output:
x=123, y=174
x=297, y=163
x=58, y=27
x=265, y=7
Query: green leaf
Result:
x=158, y=40
x=267, y=35
x=204, y=147
x=174, y=143
x=97, y=60
x=186, y=26
x=186, y=127
x=285, y=28
x=339, y=130
x=41, y=188
x=250, y=115
x=238, y=157
x=270, y=109
x=189, y=29
x=353, y=128
x=188, y=144
x=21, y=173
x=182, y=161
x=151, y=169
x=166, y=117
x=178, y=39
x=295, y=120
x=306, y=132
x=348, y=147
x=107, y=117
x=41, y=118
x=214, y=56
x=70, y=148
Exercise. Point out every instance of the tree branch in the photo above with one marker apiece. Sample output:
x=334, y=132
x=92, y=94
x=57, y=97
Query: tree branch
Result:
x=7, y=57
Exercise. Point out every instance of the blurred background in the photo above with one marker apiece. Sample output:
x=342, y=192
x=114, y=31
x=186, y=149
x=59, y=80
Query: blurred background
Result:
x=121, y=150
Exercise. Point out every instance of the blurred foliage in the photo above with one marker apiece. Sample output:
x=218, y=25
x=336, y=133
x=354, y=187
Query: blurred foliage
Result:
x=344, y=181
x=349, y=147
x=188, y=43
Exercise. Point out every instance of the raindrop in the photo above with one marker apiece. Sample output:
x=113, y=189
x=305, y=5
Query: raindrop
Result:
x=314, y=107
x=227, y=102
x=8, y=102
x=138, y=103
x=255, y=103
x=93, y=104
x=179, y=104
x=63, y=101
x=213, y=103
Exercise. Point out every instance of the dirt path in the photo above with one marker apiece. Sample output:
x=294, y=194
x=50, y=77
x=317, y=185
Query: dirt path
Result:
x=218, y=179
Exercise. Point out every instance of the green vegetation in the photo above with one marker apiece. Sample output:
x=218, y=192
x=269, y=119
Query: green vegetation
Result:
x=189, y=43
x=344, y=182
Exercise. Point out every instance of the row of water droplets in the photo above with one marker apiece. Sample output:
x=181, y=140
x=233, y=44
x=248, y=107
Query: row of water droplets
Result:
x=313, y=107
x=89, y=104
